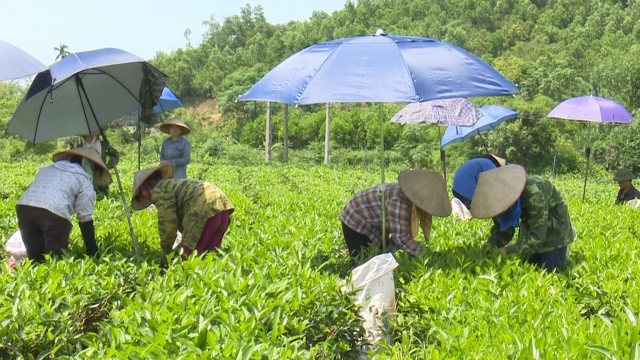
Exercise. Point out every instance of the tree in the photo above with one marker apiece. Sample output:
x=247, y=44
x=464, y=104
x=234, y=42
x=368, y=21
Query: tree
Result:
x=63, y=51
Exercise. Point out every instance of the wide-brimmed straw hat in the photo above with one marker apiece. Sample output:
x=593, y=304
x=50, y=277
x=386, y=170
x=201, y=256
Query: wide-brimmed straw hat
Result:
x=623, y=175
x=497, y=190
x=427, y=190
x=164, y=127
x=163, y=172
x=101, y=176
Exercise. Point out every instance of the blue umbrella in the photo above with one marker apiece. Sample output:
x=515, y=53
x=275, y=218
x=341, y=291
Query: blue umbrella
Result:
x=493, y=115
x=84, y=92
x=379, y=68
x=15, y=63
x=168, y=101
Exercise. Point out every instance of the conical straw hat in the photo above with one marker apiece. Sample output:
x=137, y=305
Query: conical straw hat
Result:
x=101, y=176
x=427, y=190
x=165, y=172
x=497, y=190
x=164, y=127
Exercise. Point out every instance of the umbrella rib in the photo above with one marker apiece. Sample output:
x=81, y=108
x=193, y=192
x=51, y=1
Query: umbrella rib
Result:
x=35, y=132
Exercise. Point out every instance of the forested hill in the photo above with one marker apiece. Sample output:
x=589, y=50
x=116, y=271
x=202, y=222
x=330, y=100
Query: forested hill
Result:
x=552, y=49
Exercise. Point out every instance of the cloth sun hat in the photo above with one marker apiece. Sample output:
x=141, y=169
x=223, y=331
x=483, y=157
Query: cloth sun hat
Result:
x=623, y=175
x=101, y=176
x=164, y=127
x=164, y=172
x=497, y=190
x=427, y=190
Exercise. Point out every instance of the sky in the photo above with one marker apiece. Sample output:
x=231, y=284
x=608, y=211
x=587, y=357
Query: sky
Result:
x=141, y=27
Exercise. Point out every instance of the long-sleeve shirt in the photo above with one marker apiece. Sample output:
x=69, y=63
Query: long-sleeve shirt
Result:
x=63, y=188
x=178, y=154
x=630, y=194
x=363, y=213
x=545, y=224
x=186, y=204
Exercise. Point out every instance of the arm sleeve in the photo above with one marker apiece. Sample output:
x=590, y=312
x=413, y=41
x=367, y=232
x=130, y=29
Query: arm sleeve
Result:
x=400, y=227
x=89, y=237
x=500, y=238
x=85, y=201
x=162, y=155
x=533, y=229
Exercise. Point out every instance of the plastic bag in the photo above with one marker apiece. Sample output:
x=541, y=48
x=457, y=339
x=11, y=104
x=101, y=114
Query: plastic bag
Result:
x=15, y=247
x=460, y=212
x=376, y=294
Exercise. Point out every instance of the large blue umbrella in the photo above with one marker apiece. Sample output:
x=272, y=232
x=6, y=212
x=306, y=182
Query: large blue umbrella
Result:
x=84, y=92
x=15, y=63
x=492, y=116
x=379, y=68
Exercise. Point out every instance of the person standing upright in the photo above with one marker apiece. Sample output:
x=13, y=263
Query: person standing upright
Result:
x=176, y=150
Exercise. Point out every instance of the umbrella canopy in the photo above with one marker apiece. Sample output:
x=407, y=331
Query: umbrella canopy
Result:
x=15, y=63
x=168, y=101
x=83, y=92
x=379, y=68
x=591, y=108
x=492, y=116
x=460, y=112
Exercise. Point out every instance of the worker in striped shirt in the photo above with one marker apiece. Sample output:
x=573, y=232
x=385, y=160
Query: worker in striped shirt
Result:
x=410, y=204
x=199, y=209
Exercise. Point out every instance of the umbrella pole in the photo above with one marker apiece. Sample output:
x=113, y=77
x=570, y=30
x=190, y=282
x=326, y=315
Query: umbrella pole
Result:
x=382, y=181
x=124, y=201
x=443, y=157
x=139, y=136
x=587, y=153
x=109, y=152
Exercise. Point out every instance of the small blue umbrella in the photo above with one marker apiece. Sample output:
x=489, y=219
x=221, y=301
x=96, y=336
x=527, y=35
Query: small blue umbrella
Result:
x=492, y=116
x=15, y=63
x=168, y=101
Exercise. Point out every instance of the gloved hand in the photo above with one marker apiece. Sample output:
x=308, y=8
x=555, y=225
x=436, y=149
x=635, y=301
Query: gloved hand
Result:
x=89, y=237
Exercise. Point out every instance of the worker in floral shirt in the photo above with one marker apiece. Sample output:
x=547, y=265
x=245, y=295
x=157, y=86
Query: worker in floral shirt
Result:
x=410, y=203
x=198, y=208
x=515, y=200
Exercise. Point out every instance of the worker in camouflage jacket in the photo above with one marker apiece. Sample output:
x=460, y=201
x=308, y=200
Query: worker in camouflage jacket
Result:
x=515, y=200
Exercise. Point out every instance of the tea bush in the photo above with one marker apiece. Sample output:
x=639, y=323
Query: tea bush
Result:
x=273, y=291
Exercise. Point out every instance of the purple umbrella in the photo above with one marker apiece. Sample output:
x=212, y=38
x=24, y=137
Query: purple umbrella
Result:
x=593, y=109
